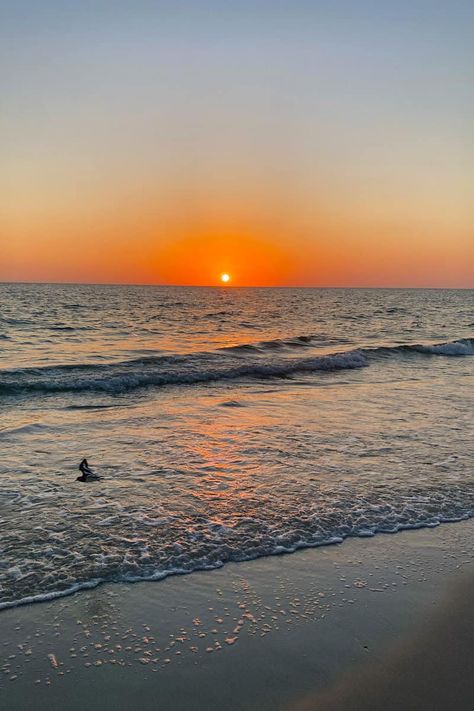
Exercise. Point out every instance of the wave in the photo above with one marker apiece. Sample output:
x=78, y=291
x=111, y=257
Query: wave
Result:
x=15, y=321
x=244, y=361
x=165, y=370
x=31, y=428
x=459, y=348
x=304, y=341
x=221, y=553
x=70, y=328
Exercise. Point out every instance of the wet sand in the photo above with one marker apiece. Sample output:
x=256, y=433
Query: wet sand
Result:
x=373, y=623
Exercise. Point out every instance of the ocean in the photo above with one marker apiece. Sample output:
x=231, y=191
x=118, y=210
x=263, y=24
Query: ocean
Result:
x=227, y=424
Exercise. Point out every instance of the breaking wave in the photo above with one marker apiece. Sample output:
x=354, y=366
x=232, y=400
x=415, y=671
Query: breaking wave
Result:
x=238, y=362
x=456, y=348
x=165, y=370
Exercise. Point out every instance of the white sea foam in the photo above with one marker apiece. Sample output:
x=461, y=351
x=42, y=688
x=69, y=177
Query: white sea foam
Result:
x=212, y=563
x=65, y=557
x=456, y=348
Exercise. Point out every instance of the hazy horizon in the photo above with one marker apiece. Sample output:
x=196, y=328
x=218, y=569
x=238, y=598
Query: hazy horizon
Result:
x=236, y=286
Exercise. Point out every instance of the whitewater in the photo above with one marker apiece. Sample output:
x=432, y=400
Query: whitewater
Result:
x=228, y=424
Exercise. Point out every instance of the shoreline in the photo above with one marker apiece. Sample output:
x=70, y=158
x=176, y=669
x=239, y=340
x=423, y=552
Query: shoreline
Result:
x=77, y=588
x=279, y=632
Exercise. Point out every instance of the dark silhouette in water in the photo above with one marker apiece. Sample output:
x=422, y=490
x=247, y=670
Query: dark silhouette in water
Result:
x=87, y=473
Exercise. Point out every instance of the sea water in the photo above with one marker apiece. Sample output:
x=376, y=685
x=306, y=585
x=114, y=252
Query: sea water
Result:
x=227, y=424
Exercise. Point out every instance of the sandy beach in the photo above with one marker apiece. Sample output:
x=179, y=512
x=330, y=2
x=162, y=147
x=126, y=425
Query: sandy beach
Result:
x=373, y=623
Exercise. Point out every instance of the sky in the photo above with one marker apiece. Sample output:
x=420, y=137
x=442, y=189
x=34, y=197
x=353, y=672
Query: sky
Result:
x=299, y=142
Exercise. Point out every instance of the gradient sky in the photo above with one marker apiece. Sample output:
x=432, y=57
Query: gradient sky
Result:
x=324, y=143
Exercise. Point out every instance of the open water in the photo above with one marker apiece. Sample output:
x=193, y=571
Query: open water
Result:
x=227, y=424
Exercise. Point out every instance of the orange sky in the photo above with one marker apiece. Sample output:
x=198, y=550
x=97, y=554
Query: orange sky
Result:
x=313, y=146
x=161, y=242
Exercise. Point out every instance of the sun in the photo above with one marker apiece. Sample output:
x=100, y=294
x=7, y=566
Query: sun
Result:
x=225, y=278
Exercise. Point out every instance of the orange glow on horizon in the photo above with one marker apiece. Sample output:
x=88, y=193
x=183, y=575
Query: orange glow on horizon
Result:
x=187, y=248
x=195, y=260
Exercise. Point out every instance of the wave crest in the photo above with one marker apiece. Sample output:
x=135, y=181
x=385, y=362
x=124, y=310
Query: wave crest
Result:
x=455, y=348
x=166, y=370
x=245, y=361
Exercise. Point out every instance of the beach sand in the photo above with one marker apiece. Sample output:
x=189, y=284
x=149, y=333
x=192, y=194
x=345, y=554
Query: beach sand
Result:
x=379, y=623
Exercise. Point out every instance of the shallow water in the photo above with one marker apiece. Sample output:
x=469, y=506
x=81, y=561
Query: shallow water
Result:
x=227, y=424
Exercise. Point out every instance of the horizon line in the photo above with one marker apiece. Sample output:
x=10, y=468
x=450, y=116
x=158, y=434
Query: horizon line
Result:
x=227, y=286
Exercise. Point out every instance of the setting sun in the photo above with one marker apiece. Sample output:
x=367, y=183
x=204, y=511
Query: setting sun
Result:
x=225, y=278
